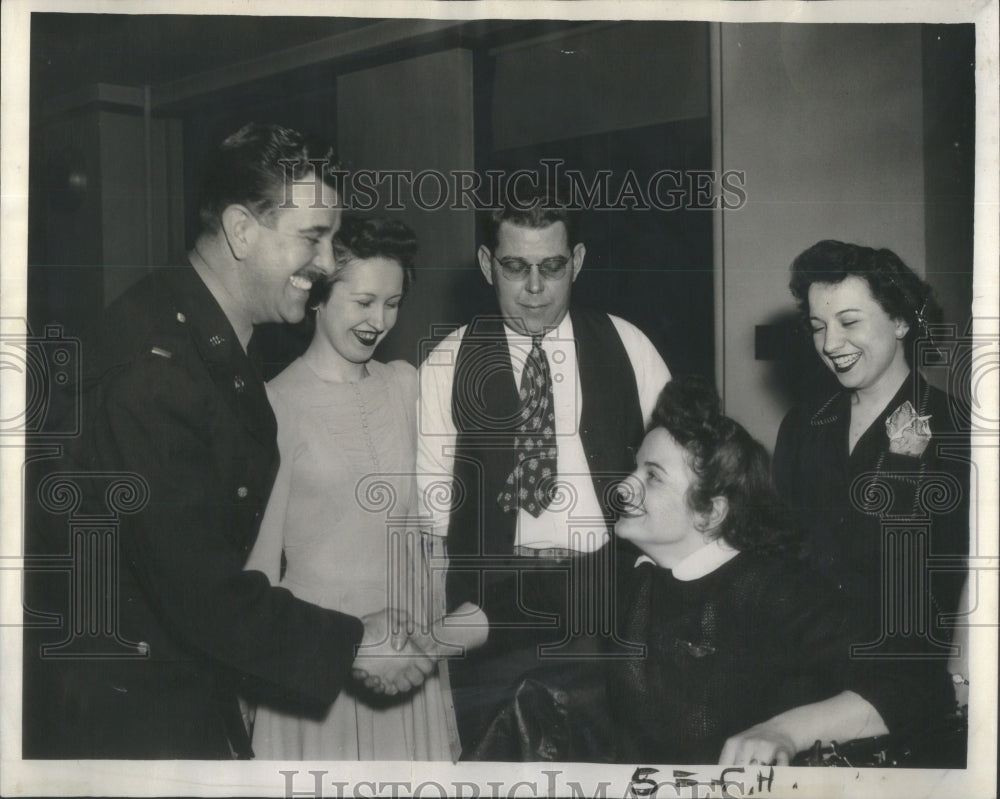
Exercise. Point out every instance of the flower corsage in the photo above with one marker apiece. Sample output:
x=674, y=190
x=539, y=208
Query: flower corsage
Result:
x=909, y=433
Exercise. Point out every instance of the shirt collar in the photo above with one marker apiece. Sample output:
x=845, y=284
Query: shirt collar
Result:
x=704, y=560
x=562, y=331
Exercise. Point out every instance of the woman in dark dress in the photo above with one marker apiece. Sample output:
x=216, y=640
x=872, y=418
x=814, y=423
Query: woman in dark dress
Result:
x=746, y=650
x=744, y=653
x=877, y=475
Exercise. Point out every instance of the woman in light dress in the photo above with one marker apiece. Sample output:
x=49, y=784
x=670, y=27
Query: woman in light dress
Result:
x=339, y=529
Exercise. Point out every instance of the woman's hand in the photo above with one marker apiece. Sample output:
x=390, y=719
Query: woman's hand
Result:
x=765, y=743
x=454, y=634
x=843, y=717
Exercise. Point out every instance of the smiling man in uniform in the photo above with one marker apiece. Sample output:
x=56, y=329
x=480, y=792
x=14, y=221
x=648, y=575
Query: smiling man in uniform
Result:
x=174, y=406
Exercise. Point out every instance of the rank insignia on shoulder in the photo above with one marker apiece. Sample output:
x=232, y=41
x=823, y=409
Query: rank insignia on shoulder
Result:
x=695, y=650
x=162, y=352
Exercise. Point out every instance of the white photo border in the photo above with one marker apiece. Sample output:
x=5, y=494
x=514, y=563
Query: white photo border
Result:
x=152, y=778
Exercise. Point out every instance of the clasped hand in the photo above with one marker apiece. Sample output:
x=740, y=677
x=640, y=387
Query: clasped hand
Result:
x=388, y=659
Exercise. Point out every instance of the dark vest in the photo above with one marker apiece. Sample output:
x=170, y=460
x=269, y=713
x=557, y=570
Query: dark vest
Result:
x=485, y=412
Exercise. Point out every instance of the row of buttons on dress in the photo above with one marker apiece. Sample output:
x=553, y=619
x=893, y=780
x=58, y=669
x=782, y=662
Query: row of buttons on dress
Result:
x=372, y=451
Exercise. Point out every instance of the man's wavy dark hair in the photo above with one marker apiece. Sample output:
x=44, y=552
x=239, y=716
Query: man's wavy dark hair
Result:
x=253, y=167
x=727, y=462
x=530, y=206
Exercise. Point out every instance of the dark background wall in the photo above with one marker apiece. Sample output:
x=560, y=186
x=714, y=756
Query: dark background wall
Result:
x=861, y=132
x=649, y=266
x=608, y=96
x=843, y=135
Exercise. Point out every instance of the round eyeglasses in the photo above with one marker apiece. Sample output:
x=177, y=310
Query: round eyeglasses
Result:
x=518, y=269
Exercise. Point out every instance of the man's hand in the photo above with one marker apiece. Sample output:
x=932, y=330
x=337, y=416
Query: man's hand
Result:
x=386, y=661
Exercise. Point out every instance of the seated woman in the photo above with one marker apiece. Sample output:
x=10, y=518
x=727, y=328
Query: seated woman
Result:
x=746, y=654
x=876, y=476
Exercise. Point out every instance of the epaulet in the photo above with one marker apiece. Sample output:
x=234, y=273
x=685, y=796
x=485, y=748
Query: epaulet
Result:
x=135, y=323
x=167, y=337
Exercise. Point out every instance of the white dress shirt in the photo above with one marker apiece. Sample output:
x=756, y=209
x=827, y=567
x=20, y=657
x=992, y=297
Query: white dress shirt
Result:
x=577, y=525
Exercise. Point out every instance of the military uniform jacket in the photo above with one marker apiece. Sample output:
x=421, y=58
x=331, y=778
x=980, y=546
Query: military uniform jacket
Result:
x=177, y=452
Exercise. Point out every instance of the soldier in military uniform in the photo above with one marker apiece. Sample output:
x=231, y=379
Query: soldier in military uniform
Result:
x=154, y=628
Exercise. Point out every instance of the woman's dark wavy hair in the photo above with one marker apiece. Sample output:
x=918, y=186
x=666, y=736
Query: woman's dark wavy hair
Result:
x=727, y=462
x=897, y=289
x=253, y=166
x=365, y=237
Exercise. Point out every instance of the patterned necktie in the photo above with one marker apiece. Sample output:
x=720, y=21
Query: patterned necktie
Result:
x=532, y=482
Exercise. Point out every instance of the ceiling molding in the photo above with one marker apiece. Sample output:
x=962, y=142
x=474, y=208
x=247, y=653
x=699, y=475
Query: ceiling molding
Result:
x=95, y=94
x=371, y=38
x=552, y=36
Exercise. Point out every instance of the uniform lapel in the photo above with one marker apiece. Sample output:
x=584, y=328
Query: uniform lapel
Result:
x=235, y=376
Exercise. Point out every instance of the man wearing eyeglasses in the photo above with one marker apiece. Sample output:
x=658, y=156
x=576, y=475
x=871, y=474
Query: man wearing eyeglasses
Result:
x=149, y=663
x=530, y=418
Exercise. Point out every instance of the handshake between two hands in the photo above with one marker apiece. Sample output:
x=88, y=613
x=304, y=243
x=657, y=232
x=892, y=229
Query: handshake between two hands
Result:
x=395, y=655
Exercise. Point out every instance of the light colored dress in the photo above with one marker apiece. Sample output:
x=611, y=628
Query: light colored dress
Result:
x=342, y=511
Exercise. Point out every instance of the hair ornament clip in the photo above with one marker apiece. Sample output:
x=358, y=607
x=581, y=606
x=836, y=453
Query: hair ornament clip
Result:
x=921, y=320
